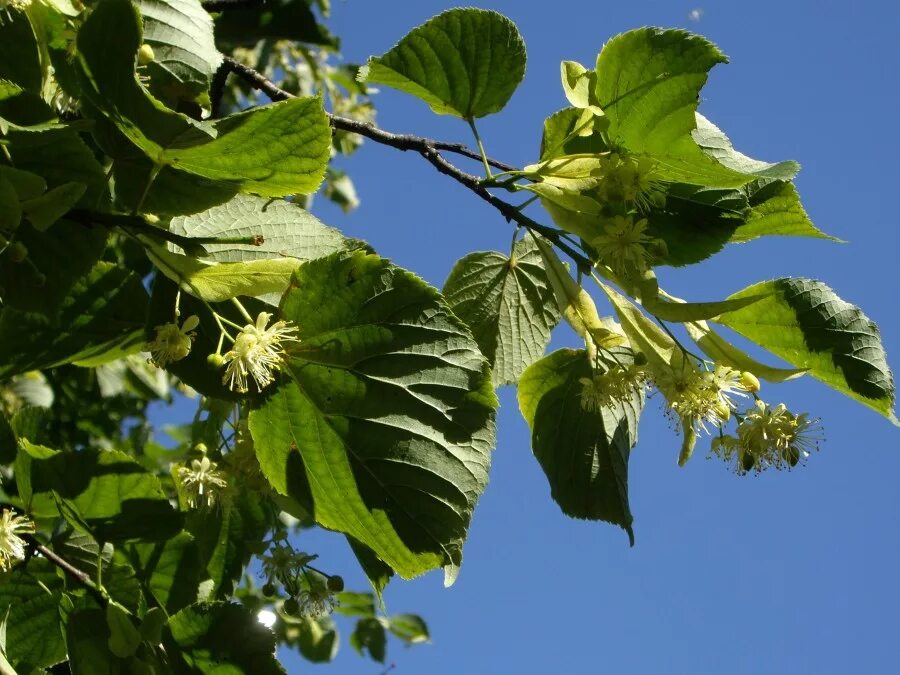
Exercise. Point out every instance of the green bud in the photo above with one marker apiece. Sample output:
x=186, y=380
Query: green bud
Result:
x=17, y=252
x=145, y=54
x=269, y=590
x=215, y=361
x=722, y=411
x=748, y=461
x=750, y=381
x=291, y=607
x=335, y=584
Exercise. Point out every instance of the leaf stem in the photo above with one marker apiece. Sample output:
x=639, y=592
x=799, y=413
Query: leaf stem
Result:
x=244, y=312
x=100, y=595
x=484, y=159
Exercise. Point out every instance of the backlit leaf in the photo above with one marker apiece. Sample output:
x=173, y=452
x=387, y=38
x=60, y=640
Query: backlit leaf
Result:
x=808, y=325
x=583, y=453
x=508, y=304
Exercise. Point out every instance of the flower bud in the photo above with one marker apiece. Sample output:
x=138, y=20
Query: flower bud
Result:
x=335, y=584
x=145, y=54
x=17, y=252
x=723, y=412
x=214, y=361
x=750, y=381
x=291, y=607
x=269, y=590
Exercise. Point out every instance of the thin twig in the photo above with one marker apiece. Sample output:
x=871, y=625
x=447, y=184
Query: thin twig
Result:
x=81, y=577
x=224, y=5
x=192, y=245
x=430, y=150
x=399, y=141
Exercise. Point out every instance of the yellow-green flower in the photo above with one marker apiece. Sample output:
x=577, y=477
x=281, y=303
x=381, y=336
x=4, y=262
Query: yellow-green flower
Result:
x=624, y=245
x=172, y=343
x=12, y=546
x=616, y=385
x=699, y=397
x=202, y=483
x=768, y=437
x=256, y=352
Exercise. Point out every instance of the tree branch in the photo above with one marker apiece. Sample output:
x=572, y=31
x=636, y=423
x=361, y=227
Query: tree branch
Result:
x=70, y=570
x=430, y=150
x=223, y=5
x=398, y=141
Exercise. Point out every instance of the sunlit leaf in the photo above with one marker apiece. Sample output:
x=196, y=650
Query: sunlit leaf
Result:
x=465, y=62
x=808, y=325
x=385, y=414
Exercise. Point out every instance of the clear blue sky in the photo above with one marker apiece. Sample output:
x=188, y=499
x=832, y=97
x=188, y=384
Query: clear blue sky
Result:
x=783, y=573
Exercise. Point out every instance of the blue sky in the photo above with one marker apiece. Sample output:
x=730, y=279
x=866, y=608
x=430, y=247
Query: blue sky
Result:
x=783, y=573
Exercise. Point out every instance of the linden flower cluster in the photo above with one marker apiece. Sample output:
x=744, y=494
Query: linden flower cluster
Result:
x=625, y=245
x=310, y=594
x=627, y=179
x=616, y=385
x=12, y=546
x=171, y=342
x=202, y=483
x=769, y=437
x=256, y=352
x=699, y=397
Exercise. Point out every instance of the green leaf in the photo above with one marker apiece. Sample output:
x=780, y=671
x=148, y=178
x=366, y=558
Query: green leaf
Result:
x=376, y=571
x=662, y=352
x=648, y=84
x=33, y=635
x=170, y=570
x=274, y=150
x=124, y=637
x=19, y=56
x=61, y=257
x=246, y=25
x=578, y=83
x=808, y=325
x=115, y=496
x=584, y=454
x=227, y=537
x=464, y=62
x=561, y=136
x=508, y=304
x=45, y=210
x=717, y=145
x=27, y=185
x=318, y=639
x=287, y=230
x=215, y=282
x=181, y=35
x=221, y=638
x=369, y=635
x=410, y=628
x=10, y=208
x=87, y=640
x=102, y=317
x=696, y=311
x=719, y=349
x=694, y=223
x=59, y=156
x=355, y=604
x=387, y=389
x=775, y=209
